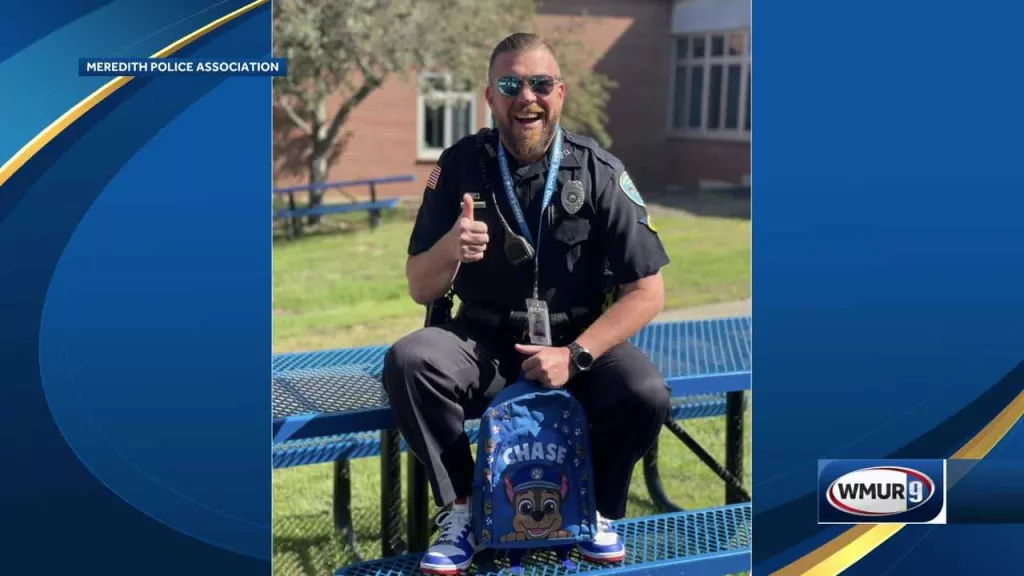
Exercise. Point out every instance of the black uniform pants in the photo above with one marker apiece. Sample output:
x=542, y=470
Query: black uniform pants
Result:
x=439, y=377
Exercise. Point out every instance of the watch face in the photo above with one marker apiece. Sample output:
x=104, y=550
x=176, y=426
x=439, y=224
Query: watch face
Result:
x=584, y=359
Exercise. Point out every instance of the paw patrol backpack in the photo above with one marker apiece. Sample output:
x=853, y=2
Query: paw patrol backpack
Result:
x=533, y=484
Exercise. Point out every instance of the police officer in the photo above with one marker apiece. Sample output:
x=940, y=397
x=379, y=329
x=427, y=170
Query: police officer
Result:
x=529, y=225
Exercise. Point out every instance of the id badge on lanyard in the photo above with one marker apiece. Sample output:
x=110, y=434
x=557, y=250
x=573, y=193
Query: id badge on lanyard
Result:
x=537, y=316
x=538, y=322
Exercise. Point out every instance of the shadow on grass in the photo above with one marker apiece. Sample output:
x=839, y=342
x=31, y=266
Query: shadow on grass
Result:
x=637, y=506
x=308, y=544
x=339, y=224
x=731, y=203
x=324, y=228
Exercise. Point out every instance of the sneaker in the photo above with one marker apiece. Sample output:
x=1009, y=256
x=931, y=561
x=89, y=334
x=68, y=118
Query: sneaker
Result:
x=605, y=546
x=455, y=546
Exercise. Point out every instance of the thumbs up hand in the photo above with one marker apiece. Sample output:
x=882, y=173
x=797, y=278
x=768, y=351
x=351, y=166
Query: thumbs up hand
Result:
x=467, y=206
x=468, y=236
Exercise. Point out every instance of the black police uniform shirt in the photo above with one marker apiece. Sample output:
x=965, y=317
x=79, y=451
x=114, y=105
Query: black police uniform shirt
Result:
x=610, y=237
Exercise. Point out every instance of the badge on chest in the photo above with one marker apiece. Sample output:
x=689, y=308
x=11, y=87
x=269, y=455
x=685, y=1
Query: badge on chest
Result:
x=572, y=196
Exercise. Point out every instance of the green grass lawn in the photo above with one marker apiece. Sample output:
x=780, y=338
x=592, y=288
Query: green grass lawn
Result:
x=348, y=289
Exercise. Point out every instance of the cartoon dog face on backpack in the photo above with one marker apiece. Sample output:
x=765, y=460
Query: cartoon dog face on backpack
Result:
x=536, y=494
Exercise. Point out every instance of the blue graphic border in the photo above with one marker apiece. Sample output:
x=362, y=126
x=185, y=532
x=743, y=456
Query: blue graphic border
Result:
x=136, y=274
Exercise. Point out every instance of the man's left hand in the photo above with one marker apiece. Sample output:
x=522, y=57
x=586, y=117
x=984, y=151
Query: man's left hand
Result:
x=547, y=365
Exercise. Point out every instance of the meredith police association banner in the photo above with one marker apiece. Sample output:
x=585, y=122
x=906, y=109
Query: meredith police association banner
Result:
x=182, y=66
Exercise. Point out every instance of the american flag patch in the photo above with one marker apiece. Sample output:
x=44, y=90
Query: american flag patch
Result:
x=432, y=179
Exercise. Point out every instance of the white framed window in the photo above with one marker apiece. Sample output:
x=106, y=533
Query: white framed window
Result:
x=444, y=114
x=710, y=91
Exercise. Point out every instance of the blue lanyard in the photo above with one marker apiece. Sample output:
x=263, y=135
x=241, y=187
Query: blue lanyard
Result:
x=549, y=190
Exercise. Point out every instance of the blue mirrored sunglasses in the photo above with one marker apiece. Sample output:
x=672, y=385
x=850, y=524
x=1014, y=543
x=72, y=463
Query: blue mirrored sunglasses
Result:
x=541, y=84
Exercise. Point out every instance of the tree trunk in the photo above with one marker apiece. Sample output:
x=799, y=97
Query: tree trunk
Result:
x=318, y=159
x=317, y=176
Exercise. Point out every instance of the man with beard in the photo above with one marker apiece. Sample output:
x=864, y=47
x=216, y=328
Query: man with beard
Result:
x=531, y=226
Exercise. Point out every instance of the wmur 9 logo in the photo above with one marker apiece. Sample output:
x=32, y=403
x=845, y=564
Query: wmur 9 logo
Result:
x=881, y=491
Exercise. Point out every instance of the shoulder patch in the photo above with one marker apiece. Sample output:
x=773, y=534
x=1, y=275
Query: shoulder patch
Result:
x=626, y=183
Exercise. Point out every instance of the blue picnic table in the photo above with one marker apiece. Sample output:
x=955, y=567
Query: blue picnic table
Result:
x=374, y=206
x=329, y=406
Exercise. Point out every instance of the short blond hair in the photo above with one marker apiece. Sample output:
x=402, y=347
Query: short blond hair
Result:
x=517, y=43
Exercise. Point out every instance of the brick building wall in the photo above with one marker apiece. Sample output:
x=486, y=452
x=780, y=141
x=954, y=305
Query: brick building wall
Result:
x=693, y=161
x=707, y=133
x=632, y=43
x=633, y=46
x=378, y=140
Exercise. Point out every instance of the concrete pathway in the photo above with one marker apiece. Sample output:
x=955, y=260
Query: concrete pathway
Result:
x=738, y=308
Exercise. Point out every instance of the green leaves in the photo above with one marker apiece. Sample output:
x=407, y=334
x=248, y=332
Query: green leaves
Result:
x=344, y=50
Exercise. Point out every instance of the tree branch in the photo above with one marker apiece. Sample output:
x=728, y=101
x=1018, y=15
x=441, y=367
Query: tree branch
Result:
x=302, y=124
x=346, y=109
x=364, y=68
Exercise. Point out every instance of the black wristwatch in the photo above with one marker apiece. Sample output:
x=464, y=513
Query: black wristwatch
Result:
x=581, y=357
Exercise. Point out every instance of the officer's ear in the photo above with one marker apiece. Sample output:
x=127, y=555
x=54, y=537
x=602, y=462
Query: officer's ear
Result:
x=489, y=95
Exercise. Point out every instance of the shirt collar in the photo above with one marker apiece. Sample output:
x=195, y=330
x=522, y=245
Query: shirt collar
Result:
x=570, y=160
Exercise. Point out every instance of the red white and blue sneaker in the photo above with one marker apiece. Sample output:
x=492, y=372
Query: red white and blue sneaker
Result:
x=605, y=546
x=455, y=546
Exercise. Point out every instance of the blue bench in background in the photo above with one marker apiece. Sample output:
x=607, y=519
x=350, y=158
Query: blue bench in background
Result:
x=329, y=406
x=373, y=206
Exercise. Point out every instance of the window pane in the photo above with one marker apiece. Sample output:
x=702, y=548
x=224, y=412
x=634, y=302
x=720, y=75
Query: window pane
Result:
x=461, y=120
x=736, y=41
x=433, y=125
x=750, y=88
x=681, y=45
x=696, y=93
x=698, y=46
x=715, y=98
x=678, y=111
x=732, y=98
x=717, y=45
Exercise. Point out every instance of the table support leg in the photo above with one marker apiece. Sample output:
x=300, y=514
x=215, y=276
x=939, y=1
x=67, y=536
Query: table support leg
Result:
x=734, y=408
x=419, y=522
x=391, y=494
x=374, y=213
x=343, y=505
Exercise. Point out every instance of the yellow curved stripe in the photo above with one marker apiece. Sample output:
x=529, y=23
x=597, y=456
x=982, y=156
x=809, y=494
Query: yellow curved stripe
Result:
x=60, y=124
x=846, y=549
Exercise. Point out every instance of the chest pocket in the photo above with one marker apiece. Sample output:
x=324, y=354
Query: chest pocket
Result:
x=571, y=234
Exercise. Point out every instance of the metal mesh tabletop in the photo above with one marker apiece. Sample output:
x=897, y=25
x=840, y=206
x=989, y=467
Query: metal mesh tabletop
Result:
x=713, y=541
x=698, y=347
x=371, y=358
x=329, y=389
x=338, y=391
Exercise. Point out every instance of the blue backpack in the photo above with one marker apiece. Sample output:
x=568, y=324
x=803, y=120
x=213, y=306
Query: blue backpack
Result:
x=533, y=484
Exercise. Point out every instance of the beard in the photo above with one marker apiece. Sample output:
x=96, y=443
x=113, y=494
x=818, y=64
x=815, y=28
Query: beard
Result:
x=527, y=144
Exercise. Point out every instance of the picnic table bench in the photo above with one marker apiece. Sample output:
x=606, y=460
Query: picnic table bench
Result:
x=374, y=206
x=329, y=406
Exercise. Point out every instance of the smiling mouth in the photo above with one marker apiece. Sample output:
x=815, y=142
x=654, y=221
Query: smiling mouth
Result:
x=538, y=532
x=529, y=119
